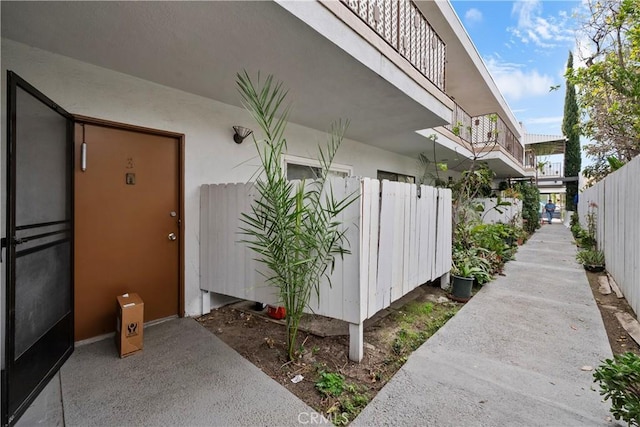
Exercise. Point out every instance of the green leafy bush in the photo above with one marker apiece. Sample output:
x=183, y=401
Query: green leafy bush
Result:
x=577, y=230
x=530, y=205
x=575, y=219
x=620, y=382
x=493, y=237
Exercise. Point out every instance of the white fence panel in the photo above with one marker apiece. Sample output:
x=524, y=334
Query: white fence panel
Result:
x=432, y=245
x=444, y=230
x=503, y=214
x=398, y=241
x=370, y=226
x=342, y=300
x=616, y=202
x=385, y=246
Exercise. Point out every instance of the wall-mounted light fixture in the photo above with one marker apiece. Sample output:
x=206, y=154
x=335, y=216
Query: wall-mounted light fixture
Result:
x=241, y=133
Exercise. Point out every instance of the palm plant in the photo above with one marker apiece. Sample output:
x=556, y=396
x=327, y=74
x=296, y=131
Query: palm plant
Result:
x=292, y=226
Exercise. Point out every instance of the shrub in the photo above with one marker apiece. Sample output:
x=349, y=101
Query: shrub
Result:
x=530, y=205
x=590, y=257
x=620, y=382
x=575, y=219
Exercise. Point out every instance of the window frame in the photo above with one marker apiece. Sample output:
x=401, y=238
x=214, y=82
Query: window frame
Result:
x=305, y=161
x=398, y=175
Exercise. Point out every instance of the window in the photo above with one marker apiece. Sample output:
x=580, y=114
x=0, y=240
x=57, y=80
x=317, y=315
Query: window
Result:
x=391, y=176
x=303, y=168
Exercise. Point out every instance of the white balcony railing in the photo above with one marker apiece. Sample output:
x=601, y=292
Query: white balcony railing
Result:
x=403, y=26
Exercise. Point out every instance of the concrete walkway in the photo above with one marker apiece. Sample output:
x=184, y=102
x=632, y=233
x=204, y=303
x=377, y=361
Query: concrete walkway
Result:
x=513, y=355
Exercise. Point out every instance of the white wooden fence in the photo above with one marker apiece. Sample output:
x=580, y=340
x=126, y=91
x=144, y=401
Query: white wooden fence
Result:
x=399, y=239
x=504, y=214
x=617, y=198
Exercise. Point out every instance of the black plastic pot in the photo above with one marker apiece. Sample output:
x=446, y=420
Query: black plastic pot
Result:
x=461, y=288
x=593, y=268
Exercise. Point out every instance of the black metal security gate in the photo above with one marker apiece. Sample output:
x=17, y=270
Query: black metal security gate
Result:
x=39, y=243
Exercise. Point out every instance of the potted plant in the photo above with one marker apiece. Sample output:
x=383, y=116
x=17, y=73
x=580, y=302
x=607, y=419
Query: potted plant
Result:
x=591, y=259
x=463, y=272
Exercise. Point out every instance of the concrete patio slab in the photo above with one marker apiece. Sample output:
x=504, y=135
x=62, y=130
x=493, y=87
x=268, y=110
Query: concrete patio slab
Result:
x=184, y=376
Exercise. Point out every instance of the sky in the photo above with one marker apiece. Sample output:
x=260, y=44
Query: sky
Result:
x=525, y=45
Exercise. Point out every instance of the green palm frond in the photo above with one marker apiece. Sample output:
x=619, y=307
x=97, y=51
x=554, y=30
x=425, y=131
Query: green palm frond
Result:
x=292, y=227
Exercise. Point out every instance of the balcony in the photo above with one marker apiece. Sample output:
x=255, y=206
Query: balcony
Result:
x=485, y=132
x=407, y=31
x=490, y=129
x=541, y=157
x=551, y=170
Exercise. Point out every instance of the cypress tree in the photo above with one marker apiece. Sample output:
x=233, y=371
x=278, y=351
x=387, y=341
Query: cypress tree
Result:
x=571, y=132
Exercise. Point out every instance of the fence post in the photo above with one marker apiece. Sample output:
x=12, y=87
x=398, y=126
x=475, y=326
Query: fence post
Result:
x=356, y=341
x=445, y=280
x=206, y=301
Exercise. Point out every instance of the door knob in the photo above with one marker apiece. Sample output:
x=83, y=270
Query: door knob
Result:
x=172, y=236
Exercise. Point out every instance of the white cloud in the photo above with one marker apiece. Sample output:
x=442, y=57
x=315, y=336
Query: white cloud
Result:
x=473, y=16
x=515, y=81
x=543, y=31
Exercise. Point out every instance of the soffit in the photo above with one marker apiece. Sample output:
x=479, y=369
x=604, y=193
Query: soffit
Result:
x=198, y=47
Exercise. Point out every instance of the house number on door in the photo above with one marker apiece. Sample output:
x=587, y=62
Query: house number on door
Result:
x=130, y=163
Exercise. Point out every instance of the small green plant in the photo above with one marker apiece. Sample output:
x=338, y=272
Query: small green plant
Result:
x=418, y=307
x=473, y=262
x=408, y=340
x=347, y=400
x=457, y=128
x=354, y=404
x=412, y=336
x=577, y=230
x=590, y=257
x=464, y=268
x=619, y=380
x=331, y=384
x=575, y=219
x=592, y=222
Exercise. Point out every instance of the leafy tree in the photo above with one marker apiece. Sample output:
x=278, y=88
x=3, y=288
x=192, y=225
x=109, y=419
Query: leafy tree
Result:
x=292, y=227
x=609, y=85
x=571, y=131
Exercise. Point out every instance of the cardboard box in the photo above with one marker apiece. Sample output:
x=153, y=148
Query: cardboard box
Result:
x=130, y=324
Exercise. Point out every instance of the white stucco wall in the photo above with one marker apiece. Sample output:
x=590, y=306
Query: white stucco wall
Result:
x=211, y=155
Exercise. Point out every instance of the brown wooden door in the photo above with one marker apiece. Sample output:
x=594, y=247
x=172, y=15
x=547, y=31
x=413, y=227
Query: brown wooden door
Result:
x=127, y=238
